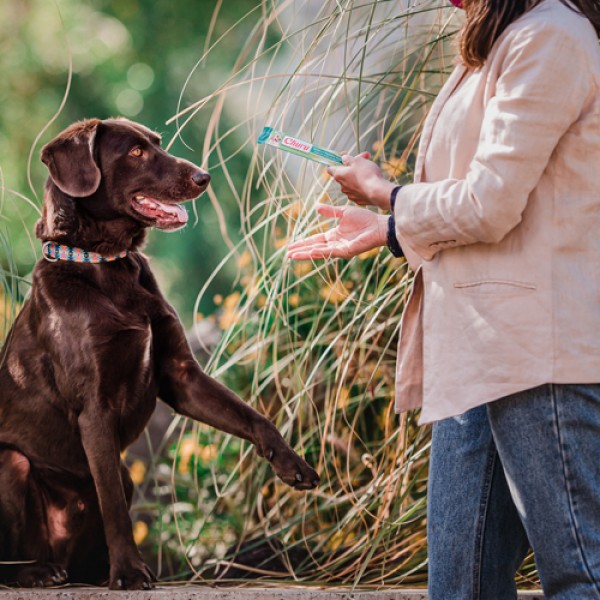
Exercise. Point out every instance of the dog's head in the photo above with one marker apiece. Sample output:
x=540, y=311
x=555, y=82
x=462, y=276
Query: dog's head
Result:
x=111, y=179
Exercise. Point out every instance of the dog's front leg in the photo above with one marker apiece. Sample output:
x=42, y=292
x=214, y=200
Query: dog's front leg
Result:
x=99, y=434
x=184, y=386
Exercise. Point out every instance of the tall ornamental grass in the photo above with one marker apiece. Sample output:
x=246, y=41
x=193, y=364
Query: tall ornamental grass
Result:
x=313, y=344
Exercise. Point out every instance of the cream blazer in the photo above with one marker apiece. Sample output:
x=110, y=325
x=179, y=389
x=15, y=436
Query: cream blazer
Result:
x=502, y=224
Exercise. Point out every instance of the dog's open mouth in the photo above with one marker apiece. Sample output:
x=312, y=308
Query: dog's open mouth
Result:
x=161, y=214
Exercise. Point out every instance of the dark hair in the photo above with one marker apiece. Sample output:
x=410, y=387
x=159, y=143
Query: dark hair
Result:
x=487, y=19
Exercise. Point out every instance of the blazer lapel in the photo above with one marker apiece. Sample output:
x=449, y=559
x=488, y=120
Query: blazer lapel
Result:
x=447, y=90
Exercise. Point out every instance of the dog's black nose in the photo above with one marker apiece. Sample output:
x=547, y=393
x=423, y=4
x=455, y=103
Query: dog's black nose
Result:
x=201, y=178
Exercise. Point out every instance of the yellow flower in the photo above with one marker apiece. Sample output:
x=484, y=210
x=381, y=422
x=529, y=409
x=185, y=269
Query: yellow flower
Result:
x=343, y=397
x=140, y=531
x=394, y=167
x=294, y=210
x=281, y=243
x=191, y=448
x=252, y=355
x=244, y=259
x=302, y=268
x=187, y=449
x=252, y=285
x=137, y=472
x=386, y=420
x=377, y=146
x=230, y=315
x=334, y=292
x=374, y=369
x=294, y=299
x=325, y=176
x=369, y=253
x=341, y=537
x=207, y=453
x=218, y=299
x=8, y=310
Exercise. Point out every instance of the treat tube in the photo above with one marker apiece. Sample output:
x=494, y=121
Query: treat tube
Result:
x=289, y=143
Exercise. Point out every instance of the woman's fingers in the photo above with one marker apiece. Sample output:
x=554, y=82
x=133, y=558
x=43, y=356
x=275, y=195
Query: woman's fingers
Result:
x=320, y=251
x=334, y=171
x=328, y=237
x=313, y=239
x=356, y=198
x=347, y=161
x=348, y=158
x=331, y=212
x=340, y=249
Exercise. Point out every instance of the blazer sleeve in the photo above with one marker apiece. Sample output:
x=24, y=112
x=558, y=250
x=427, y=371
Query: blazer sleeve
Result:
x=543, y=82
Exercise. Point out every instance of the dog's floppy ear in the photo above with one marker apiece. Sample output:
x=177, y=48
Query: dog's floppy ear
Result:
x=70, y=159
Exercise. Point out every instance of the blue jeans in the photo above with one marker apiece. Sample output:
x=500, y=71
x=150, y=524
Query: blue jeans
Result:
x=522, y=470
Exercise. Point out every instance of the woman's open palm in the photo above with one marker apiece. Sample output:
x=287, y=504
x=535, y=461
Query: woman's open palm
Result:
x=357, y=231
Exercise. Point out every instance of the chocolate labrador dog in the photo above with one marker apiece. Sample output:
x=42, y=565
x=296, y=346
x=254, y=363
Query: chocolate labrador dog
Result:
x=88, y=355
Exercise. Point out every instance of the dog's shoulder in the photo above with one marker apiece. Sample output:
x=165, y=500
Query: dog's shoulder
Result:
x=159, y=306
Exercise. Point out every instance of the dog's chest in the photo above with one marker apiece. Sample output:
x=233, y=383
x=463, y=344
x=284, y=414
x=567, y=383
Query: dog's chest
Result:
x=133, y=369
x=108, y=346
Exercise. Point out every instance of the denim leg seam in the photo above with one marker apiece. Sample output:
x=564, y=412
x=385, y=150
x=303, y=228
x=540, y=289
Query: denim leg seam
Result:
x=486, y=490
x=563, y=459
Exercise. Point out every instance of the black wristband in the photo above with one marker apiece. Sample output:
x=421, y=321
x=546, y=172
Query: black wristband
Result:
x=393, y=197
x=392, y=241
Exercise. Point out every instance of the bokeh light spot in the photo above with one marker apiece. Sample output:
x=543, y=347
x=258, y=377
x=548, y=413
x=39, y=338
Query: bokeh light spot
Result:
x=140, y=76
x=129, y=102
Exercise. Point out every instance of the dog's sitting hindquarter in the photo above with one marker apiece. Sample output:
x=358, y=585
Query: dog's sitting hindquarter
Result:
x=87, y=357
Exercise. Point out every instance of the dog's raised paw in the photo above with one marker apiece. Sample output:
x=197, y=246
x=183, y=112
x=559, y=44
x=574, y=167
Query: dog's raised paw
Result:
x=293, y=470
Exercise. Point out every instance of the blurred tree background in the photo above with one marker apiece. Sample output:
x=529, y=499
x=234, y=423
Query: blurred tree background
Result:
x=130, y=58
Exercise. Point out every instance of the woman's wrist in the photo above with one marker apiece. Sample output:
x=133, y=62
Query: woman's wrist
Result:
x=381, y=190
x=382, y=229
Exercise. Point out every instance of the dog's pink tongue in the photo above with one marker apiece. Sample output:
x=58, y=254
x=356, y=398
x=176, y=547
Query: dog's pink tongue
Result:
x=176, y=210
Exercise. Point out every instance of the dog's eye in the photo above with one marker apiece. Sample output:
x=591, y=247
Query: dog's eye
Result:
x=136, y=151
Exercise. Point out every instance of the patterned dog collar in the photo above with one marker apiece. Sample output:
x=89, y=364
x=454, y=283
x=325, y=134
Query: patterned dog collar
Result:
x=53, y=252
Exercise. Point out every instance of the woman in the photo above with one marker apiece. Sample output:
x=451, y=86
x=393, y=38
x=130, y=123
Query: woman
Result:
x=500, y=340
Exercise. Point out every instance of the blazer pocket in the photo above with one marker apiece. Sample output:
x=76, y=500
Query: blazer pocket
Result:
x=495, y=287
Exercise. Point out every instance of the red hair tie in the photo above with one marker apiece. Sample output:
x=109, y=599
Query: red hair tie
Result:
x=457, y=3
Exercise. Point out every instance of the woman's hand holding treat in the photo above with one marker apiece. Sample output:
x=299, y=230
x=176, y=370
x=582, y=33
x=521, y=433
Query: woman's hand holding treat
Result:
x=362, y=181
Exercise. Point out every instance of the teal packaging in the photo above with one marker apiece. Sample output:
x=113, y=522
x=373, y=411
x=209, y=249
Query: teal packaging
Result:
x=283, y=141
